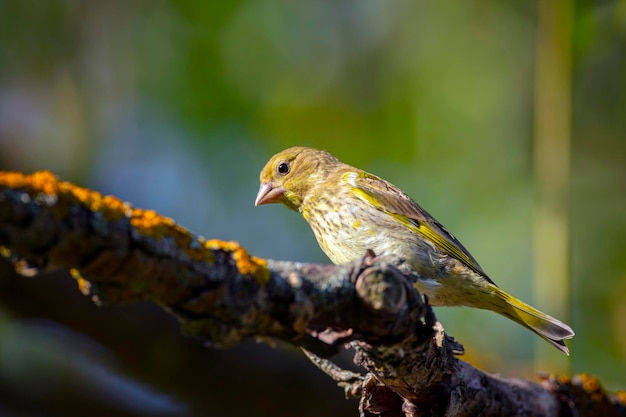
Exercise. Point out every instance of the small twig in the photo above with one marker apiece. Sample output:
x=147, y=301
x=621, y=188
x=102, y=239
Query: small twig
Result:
x=350, y=382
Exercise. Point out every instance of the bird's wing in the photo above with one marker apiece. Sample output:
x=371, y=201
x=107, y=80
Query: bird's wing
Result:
x=389, y=199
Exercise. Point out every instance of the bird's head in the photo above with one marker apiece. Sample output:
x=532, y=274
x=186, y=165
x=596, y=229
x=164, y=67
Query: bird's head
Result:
x=290, y=175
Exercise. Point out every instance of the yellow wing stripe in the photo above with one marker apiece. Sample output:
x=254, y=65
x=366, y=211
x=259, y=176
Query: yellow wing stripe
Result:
x=441, y=242
x=425, y=231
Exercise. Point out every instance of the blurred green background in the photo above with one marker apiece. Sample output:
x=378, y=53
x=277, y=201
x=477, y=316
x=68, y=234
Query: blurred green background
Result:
x=176, y=106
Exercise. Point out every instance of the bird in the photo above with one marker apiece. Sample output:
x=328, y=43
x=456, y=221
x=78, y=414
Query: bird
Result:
x=352, y=211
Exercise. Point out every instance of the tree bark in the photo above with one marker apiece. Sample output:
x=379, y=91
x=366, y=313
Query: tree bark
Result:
x=223, y=295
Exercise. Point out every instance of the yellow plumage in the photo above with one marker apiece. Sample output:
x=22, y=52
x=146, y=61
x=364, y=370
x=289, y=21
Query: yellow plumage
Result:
x=351, y=211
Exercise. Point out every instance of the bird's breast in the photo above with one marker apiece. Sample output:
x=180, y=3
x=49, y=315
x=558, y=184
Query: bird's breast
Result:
x=346, y=231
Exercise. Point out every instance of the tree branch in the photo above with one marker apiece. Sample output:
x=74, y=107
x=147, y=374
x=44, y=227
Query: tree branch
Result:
x=223, y=295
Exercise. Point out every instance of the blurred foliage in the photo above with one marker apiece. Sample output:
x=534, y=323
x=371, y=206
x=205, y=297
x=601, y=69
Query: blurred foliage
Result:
x=177, y=105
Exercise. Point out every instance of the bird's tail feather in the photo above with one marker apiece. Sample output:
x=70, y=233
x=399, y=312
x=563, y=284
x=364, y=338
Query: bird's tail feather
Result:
x=552, y=330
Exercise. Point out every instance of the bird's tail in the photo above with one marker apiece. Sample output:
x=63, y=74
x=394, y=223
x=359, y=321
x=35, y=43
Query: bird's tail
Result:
x=552, y=330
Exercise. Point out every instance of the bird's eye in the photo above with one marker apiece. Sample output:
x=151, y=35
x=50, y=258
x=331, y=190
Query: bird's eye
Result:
x=283, y=168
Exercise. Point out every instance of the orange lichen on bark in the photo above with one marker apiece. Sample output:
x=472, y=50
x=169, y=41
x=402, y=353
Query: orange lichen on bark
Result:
x=46, y=183
x=146, y=222
x=587, y=390
x=150, y=223
x=43, y=180
x=84, y=286
x=246, y=264
x=590, y=384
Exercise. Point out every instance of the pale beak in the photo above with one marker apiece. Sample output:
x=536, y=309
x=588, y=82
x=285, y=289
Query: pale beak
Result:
x=268, y=193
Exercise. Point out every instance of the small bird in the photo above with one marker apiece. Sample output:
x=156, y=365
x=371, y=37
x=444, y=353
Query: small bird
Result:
x=351, y=211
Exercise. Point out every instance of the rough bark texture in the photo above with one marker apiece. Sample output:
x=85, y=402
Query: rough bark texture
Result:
x=223, y=295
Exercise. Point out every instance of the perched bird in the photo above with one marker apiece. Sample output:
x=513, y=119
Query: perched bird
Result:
x=351, y=211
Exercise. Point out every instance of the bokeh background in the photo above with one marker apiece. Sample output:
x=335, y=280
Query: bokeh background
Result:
x=177, y=105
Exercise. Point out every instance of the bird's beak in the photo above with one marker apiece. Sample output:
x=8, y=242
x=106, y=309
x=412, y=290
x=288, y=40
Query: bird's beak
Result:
x=268, y=193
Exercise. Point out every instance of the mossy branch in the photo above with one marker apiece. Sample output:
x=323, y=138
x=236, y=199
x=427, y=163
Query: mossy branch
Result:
x=223, y=295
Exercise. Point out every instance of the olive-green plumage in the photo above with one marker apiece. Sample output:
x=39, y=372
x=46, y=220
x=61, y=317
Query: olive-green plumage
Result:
x=351, y=211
